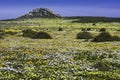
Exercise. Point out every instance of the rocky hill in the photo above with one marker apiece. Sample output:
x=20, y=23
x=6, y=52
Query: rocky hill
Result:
x=40, y=13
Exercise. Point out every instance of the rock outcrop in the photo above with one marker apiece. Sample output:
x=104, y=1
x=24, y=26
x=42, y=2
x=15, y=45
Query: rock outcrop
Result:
x=41, y=13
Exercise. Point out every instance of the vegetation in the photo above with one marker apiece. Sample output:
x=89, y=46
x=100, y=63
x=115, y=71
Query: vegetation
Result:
x=29, y=33
x=1, y=33
x=60, y=29
x=42, y=35
x=105, y=36
x=102, y=30
x=36, y=35
x=84, y=35
x=63, y=57
x=91, y=19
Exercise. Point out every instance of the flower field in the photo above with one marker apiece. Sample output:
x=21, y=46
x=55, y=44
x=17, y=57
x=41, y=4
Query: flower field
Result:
x=61, y=58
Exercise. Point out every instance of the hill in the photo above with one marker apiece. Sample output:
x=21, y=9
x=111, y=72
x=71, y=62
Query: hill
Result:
x=40, y=13
x=92, y=19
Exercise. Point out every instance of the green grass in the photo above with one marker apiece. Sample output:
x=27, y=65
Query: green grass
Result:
x=60, y=58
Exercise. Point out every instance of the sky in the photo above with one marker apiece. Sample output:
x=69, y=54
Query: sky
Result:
x=15, y=8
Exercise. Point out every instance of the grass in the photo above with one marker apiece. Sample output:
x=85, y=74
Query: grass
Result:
x=60, y=58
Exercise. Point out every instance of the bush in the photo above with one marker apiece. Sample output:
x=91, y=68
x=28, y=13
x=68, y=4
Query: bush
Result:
x=115, y=38
x=42, y=35
x=60, y=29
x=105, y=36
x=36, y=35
x=84, y=35
x=83, y=29
x=11, y=33
x=102, y=30
x=29, y=33
x=94, y=24
x=2, y=32
x=102, y=66
x=88, y=29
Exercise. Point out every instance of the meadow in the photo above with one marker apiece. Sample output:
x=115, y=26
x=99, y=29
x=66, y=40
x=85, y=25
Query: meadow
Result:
x=61, y=58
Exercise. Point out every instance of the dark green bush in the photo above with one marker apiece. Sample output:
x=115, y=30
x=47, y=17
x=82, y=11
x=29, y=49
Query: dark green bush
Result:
x=60, y=29
x=29, y=33
x=102, y=66
x=42, y=35
x=88, y=29
x=83, y=29
x=11, y=33
x=84, y=35
x=94, y=24
x=102, y=30
x=105, y=36
x=36, y=35
x=118, y=30
x=115, y=38
x=102, y=37
x=2, y=32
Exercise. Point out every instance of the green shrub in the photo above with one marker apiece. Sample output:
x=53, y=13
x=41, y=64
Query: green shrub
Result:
x=94, y=24
x=29, y=33
x=102, y=66
x=102, y=30
x=83, y=29
x=60, y=29
x=105, y=36
x=84, y=35
x=42, y=35
x=88, y=29
x=115, y=38
x=36, y=35
x=2, y=32
x=11, y=33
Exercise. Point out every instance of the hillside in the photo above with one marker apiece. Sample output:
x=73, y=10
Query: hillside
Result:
x=92, y=19
x=62, y=54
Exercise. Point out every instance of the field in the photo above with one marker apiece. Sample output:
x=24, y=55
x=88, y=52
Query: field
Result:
x=61, y=58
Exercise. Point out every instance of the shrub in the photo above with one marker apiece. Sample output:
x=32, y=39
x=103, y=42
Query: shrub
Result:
x=105, y=36
x=36, y=35
x=84, y=35
x=115, y=38
x=11, y=33
x=118, y=30
x=42, y=35
x=102, y=30
x=83, y=29
x=60, y=29
x=2, y=32
x=88, y=29
x=29, y=33
x=102, y=66
x=94, y=24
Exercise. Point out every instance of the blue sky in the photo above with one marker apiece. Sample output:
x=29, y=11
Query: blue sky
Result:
x=15, y=8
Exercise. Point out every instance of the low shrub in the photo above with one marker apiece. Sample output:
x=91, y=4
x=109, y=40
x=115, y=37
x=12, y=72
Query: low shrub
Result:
x=102, y=30
x=11, y=33
x=36, y=35
x=115, y=38
x=88, y=29
x=105, y=36
x=94, y=24
x=29, y=33
x=102, y=66
x=84, y=35
x=42, y=35
x=83, y=29
x=2, y=32
x=60, y=29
